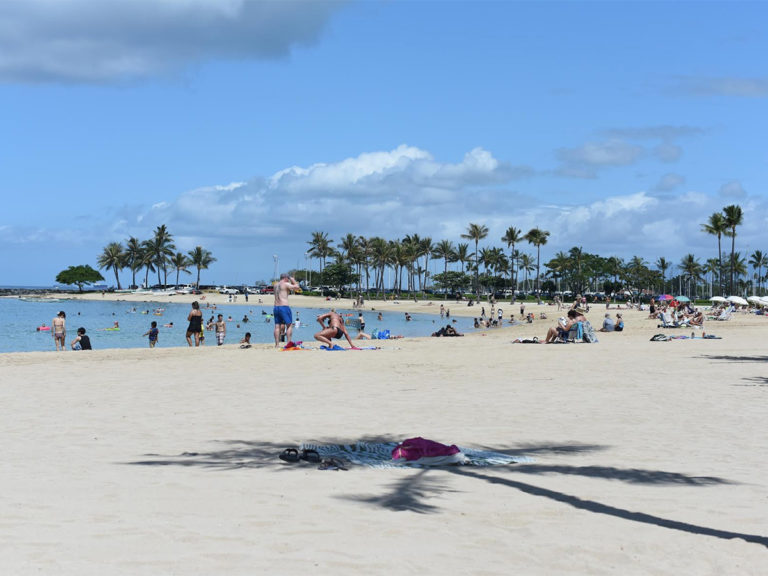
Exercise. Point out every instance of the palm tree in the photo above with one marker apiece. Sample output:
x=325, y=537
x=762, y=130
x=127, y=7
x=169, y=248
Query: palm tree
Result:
x=444, y=249
x=712, y=267
x=691, y=268
x=716, y=226
x=512, y=237
x=758, y=261
x=733, y=216
x=538, y=238
x=133, y=257
x=476, y=232
x=663, y=265
x=320, y=247
x=201, y=259
x=180, y=262
x=462, y=254
x=113, y=258
x=162, y=250
x=526, y=265
x=148, y=259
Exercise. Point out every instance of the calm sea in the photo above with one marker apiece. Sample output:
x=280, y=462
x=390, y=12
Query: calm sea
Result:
x=22, y=317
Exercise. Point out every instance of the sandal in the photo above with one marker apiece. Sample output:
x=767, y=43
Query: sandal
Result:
x=289, y=455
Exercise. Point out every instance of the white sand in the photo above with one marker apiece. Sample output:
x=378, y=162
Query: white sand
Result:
x=650, y=457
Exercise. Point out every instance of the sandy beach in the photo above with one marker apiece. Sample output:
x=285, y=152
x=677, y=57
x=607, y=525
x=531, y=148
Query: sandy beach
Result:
x=646, y=457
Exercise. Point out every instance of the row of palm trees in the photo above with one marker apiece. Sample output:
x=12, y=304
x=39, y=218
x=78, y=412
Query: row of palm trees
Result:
x=157, y=254
x=575, y=270
x=409, y=258
x=721, y=224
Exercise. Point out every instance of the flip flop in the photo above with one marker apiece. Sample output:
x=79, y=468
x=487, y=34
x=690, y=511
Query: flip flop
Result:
x=289, y=455
x=310, y=456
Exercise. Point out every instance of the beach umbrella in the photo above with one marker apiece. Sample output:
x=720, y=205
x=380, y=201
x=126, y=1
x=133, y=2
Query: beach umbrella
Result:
x=737, y=300
x=718, y=299
x=682, y=298
x=764, y=300
x=754, y=299
x=665, y=297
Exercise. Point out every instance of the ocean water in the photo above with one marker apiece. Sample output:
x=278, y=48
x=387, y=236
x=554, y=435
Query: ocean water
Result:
x=21, y=319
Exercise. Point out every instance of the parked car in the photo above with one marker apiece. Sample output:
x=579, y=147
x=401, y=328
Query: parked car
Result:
x=225, y=290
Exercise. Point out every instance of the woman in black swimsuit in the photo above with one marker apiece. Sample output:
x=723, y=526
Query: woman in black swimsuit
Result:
x=195, y=324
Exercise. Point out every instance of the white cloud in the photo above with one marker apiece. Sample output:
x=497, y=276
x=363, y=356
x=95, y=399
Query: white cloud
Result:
x=609, y=153
x=397, y=192
x=723, y=86
x=113, y=40
x=669, y=181
x=732, y=189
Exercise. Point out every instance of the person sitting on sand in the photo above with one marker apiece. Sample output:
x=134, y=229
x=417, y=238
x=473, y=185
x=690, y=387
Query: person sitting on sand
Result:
x=697, y=319
x=334, y=329
x=447, y=331
x=82, y=342
x=619, y=323
x=561, y=329
x=608, y=324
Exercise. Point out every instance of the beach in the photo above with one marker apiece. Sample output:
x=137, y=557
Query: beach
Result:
x=644, y=457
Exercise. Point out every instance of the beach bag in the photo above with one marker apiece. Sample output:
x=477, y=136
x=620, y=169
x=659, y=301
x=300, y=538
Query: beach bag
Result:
x=659, y=338
x=590, y=337
x=415, y=448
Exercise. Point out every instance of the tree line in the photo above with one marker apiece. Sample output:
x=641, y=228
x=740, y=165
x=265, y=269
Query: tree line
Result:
x=365, y=262
x=156, y=254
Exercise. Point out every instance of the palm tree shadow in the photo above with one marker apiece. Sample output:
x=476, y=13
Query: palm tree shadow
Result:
x=734, y=358
x=599, y=508
x=408, y=494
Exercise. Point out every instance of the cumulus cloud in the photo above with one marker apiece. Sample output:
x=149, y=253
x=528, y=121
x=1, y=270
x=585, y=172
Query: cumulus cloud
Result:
x=732, y=189
x=112, y=40
x=668, y=182
x=723, y=86
x=585, y=160
x=396, y=192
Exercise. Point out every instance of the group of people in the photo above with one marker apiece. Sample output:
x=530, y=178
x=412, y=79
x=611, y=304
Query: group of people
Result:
x=59, y=331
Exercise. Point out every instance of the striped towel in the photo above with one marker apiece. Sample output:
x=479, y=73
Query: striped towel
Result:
x=379, y=455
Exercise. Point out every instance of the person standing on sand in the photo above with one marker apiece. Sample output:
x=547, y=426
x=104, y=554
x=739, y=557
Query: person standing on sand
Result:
x=195, y=324
x=221, y=330
x=281, y=311
x=59, y=330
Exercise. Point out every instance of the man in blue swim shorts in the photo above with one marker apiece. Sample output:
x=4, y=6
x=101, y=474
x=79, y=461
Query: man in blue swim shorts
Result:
x=282, y=312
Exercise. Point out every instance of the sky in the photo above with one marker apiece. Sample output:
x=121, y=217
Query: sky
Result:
x=244, y=126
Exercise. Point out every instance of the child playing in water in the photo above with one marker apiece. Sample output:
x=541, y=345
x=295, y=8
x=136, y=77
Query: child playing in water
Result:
x=153, y=334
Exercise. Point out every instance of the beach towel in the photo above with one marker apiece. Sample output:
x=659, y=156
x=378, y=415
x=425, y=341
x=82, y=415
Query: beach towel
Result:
x=379, y=455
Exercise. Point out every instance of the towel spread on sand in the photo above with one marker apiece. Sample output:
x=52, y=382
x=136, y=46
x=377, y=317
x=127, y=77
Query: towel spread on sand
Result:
x=379, y=455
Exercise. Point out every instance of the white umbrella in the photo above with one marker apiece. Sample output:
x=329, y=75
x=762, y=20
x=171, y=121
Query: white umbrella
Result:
x=753, y=299
x=737, y=300
x=764, y=300
x=718, y=299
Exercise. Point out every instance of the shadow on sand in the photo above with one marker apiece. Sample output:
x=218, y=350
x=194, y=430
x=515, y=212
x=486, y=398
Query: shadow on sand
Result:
x=416, y=492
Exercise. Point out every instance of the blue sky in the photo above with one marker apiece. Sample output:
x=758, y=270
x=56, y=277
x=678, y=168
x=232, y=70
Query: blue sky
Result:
x=244, y=126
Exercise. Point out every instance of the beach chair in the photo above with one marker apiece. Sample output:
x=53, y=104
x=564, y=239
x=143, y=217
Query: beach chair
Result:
x=725, y=314
x=576, y=333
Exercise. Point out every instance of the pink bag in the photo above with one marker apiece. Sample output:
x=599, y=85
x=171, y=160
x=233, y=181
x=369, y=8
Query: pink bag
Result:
x=416, y=448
